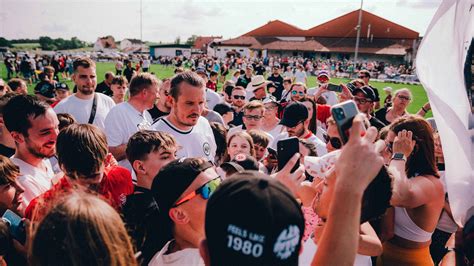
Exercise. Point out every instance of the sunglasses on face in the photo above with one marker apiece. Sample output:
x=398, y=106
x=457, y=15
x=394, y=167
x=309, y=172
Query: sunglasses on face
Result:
x=406, y=98
x=253, y=117
x=297, y=92
x=361, y=100
x=237, y=97
x=205, y=191
x=362, y=77
x=335, y=142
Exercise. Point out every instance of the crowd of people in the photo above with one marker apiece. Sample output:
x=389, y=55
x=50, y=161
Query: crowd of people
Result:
x=138, y=170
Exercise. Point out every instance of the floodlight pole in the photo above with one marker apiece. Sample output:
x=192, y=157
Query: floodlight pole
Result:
x=141, y=22
x=358, y=33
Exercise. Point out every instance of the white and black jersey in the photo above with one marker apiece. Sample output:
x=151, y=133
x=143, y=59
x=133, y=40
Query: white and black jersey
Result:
x=197, y=142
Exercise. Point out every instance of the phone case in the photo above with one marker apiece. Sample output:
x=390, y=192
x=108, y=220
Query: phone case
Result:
x=286, y=149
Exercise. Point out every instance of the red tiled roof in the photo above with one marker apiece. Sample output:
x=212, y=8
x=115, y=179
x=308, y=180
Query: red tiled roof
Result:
x=202, y=41
x=345, y=26
x=276, y=28
x=241, y=41
x=310, y=45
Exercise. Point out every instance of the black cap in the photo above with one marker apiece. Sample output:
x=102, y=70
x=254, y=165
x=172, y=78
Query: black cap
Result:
x=242, y=162
x=46, y=89
x=367, y=91
x=260, y=213
x=293, y=114
x=170, y=183
x=223, y=108
x=61, y=86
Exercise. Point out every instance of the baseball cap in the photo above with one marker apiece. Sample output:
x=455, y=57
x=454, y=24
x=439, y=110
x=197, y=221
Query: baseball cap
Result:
x=367, y=91
x=171, y=182
x=45, y=89
x=249, y=66
x=61, y=86
x=293, y=114
x=260, y=213
x=323, y=73
x=201, y=70
x=241, y=162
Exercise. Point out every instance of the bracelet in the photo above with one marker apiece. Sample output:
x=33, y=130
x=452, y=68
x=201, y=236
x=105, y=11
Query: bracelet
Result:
x=424, y=110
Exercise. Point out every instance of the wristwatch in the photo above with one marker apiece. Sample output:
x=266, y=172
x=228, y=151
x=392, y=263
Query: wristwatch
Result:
x=399, y=157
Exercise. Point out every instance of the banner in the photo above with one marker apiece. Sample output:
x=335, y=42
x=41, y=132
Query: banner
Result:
x=440, y=68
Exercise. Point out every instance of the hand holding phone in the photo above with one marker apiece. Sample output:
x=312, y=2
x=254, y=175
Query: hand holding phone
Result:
x=343, y=114
x=286, y=149
x=16, y=226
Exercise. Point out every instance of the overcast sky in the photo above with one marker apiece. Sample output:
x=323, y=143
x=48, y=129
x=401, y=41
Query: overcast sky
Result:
x=164, y=20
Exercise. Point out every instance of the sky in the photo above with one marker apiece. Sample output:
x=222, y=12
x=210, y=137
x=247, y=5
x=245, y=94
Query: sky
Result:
x=165, y=20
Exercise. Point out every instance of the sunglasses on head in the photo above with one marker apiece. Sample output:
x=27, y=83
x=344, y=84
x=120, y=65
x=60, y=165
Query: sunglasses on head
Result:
x=335, y=142
x=205, y=191
x=297, y=92
x=237, y=97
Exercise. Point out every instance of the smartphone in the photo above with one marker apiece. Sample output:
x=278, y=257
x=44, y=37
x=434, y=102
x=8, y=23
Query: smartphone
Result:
x=286, y=148
x=334, y=87
x=272, y=152
x=16, y=226
x=343, y=113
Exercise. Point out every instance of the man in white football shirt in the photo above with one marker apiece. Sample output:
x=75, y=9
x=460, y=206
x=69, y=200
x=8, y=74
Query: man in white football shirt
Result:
x=126, y=118
x=80, y=104
x=192, y=131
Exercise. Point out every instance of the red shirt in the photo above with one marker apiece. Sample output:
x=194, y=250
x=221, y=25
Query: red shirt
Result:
x=211, y=85
x=323, y=112
x=115, y=186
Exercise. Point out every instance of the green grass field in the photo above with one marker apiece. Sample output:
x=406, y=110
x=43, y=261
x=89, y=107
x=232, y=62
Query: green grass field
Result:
x=419, y=95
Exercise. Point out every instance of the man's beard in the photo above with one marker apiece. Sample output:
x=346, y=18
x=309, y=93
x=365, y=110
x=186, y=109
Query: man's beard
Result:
x=35, y=151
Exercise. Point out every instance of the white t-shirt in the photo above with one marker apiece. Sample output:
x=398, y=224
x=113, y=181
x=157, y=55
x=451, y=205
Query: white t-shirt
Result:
x=33, y=179
x=310, y=248
x=212, y=98
x=277, y=130
x=300, y=76
x=121, y=123
x=146, y=63
x=188, y=257
x=330, y=96
x=197, y=142
x=81, y=109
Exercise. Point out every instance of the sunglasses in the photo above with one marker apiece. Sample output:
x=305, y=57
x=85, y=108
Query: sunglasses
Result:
x=361, y=100
x=362, y=77
x=253, y=117
x=335, y=142
x=401, y=97
x=237, y=97
x=205, y=191
x=297, y=92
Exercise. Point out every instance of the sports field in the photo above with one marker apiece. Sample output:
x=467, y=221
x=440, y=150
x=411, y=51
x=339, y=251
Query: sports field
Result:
x=419, y=95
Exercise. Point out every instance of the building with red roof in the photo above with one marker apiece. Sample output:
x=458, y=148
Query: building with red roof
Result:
x=380, y=39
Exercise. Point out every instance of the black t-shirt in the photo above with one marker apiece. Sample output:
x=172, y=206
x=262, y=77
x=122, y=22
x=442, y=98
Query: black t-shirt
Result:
x=380, y=115
x=376, y=123
x=238, y=118
x=6, y=151
x=128, y=73
x=278, y=81
x=141, y=217
x=156, y=113
x=243, y=81
x=104, y=88
x=260, y=70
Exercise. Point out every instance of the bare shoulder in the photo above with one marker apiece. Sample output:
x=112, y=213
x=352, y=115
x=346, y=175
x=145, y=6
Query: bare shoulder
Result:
x=431, y=183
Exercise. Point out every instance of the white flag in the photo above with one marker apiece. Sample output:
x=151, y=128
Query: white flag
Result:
x=440, y=68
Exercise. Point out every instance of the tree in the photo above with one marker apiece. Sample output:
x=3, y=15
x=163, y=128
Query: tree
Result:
x=5, y=43
x=177, y=40
x=191, y=40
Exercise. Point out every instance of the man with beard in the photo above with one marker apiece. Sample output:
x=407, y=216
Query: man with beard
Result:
x=162, y=106
x=34, y=127
x=192, y=131
x=83, y=156
x=295, y=119
x=85, y=105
